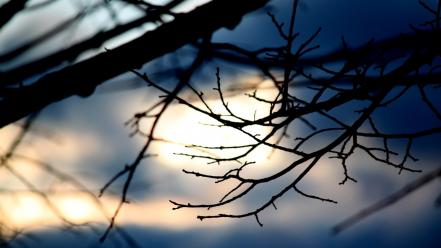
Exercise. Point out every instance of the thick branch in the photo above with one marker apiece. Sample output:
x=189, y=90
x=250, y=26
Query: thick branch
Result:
x=69, y=54
x=395, y=197
x=82, y=78
x=10, y=9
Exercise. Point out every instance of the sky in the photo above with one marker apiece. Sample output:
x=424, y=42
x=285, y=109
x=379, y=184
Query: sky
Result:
x=87, y=138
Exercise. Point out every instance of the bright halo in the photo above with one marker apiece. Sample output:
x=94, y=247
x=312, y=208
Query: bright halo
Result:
x=185, y=126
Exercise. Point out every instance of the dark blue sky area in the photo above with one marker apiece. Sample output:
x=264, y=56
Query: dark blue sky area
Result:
x=300, y=222
x=358, y=21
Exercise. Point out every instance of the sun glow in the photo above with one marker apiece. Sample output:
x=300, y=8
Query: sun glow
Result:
x=28, y=209
x=76, y=209
x=191, y=132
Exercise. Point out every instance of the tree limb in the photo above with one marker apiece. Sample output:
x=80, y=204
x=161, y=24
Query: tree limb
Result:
x=82, y=78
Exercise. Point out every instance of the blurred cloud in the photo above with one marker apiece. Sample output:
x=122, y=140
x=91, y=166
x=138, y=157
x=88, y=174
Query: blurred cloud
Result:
x=84, y=144
x=92, y=145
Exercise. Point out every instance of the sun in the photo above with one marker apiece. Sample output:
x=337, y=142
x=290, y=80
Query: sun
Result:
x=31, y=209
x=28, y=210
x=186, y=129
x=76, y=209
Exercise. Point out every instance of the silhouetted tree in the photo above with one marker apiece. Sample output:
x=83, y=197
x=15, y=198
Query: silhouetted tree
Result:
x=344, y=88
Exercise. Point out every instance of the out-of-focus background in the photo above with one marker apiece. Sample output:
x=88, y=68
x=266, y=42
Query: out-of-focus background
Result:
x=86, y=139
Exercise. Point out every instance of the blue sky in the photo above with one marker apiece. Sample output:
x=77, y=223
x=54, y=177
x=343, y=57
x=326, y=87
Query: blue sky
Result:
x=89, y=140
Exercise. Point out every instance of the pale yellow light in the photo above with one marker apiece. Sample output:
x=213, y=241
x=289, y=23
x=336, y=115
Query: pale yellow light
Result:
x=76, y=209
x=185, y=126
x=26, y=210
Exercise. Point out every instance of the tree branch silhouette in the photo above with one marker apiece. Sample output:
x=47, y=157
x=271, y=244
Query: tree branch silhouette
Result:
x=9, y=10
x=388, y=201
x=345, y=88
x=82, y=78
x=365, y=76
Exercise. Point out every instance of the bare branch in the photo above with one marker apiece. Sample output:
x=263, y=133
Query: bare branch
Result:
x=386, y=202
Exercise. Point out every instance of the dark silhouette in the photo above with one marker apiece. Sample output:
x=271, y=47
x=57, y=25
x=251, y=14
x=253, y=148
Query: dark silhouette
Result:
x=361, y=80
